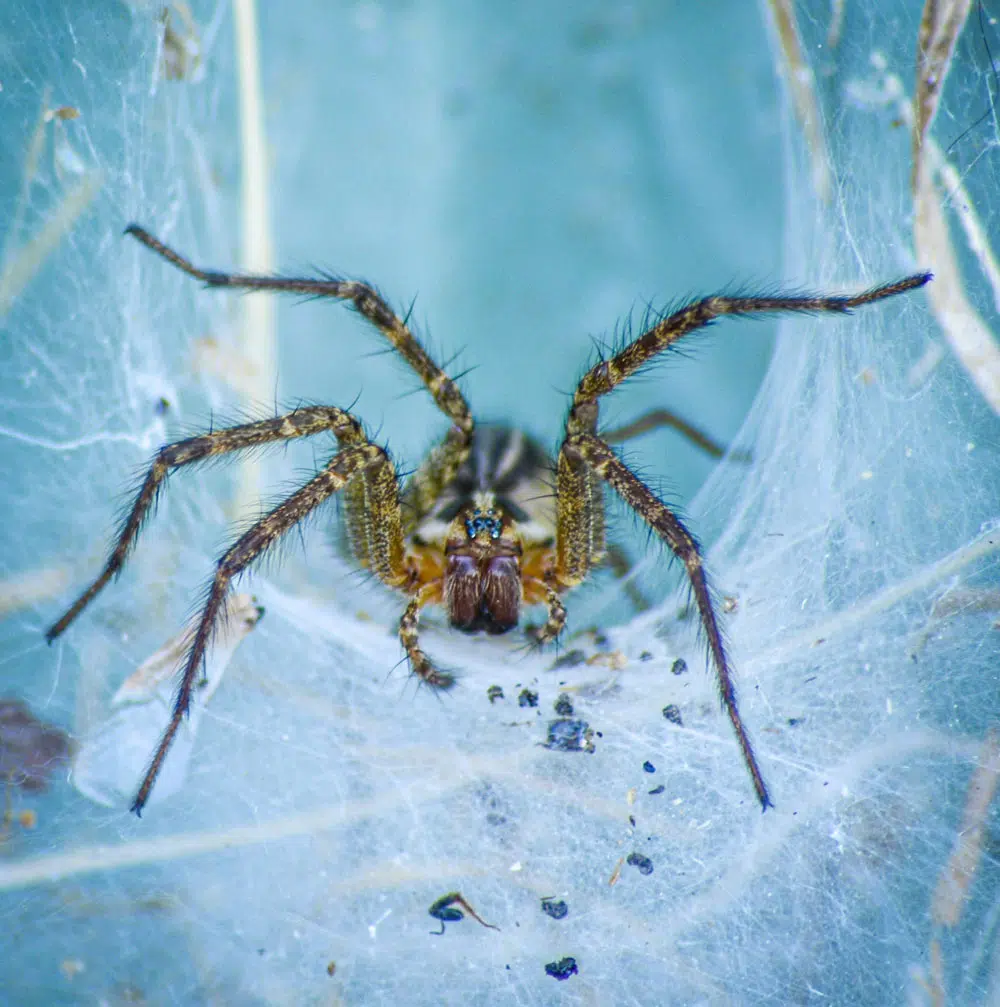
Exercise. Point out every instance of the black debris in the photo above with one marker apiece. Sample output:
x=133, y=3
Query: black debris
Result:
x=657, y=790
x=493, y=693
x=445, y=915
x=641, y=861
x=646, y=655
x=527, y=698
x=562, y=969
x=557, y=909
x=679, y=666
x=673, y=714
x=570, y=736
x=442, y=910
x=563, y=706
x=648, y=767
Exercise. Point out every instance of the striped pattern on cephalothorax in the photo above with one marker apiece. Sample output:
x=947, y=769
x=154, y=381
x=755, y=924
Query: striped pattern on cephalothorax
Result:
x=507, y=472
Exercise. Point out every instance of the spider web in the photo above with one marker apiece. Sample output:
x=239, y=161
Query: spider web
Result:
x=530, y=179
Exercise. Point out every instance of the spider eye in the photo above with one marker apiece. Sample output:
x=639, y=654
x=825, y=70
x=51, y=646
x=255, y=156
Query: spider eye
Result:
x=483, y=522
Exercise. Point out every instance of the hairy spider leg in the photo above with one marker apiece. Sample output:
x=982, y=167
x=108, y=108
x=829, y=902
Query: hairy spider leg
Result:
x=616, y=558
x=602, y=460
x=385, y=551
x=244, y=551
x=585, y=461
x=437, y=471
x=431, y=593
x=537, y=591
x=656, y=419
x=305, y=422
x=443, y=462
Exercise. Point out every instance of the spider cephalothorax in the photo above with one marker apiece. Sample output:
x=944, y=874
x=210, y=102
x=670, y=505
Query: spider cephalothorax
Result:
x=487, y=524
x=493, y=525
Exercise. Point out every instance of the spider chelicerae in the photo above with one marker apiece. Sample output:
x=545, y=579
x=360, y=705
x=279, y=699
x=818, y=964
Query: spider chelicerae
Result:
x=476, y=528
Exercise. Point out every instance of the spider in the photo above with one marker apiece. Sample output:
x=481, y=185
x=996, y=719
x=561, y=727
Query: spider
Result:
x=476, y=528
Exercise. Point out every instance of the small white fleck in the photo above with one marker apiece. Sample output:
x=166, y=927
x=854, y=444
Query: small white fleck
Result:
x=516, y=866
x=970, y=446
x=908, y=452
x=373, y=927
x=888, y=706
x=867, y=474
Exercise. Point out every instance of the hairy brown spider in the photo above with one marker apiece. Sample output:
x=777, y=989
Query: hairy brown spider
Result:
x=476, y=528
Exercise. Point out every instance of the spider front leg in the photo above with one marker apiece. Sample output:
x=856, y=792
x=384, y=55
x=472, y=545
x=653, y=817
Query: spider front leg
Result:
x=586, y=462
x=347, y=464
x=438, y=470
x=379, y=544
x=305, y=422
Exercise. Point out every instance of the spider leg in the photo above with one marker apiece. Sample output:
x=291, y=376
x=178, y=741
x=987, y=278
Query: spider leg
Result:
x=617, y=559
x=600, y=379
x=585, y=462
x=347, y=463
x=420, y=665
x=304, y=422
x=601, y=459
x=655, y=419
x=441, y=466
x=435, y=474
x=536, y=591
